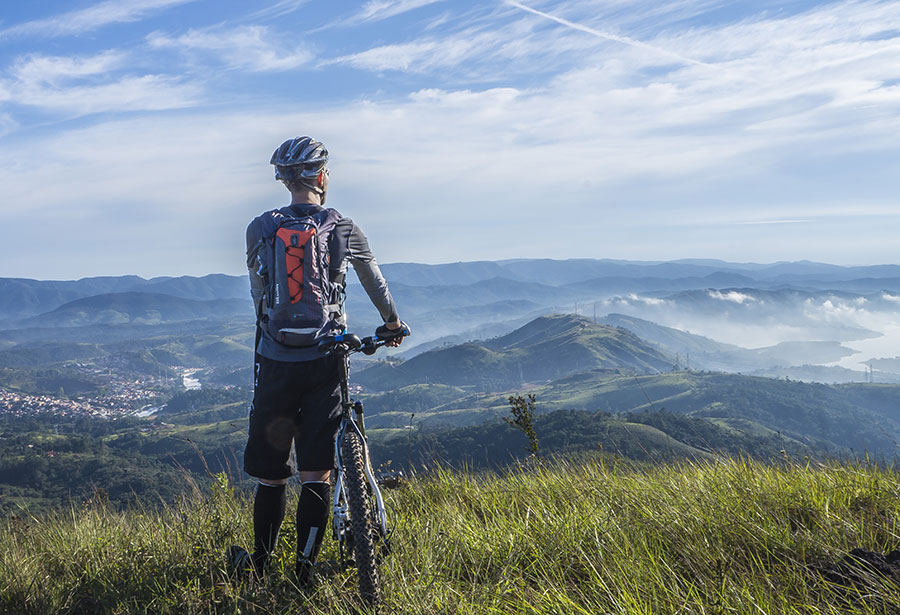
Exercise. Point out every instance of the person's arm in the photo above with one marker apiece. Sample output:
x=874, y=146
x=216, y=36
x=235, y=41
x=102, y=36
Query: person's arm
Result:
x=370, y=277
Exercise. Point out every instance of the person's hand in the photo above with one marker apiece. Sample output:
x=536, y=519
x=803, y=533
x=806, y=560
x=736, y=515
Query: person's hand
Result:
x=386, y=330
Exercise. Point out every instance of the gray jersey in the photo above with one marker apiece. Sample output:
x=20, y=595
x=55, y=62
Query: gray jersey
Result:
x=348, y=244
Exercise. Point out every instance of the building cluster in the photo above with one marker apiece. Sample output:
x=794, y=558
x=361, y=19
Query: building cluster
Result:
x=115, y=393
x=23, y=404
x=121, y=397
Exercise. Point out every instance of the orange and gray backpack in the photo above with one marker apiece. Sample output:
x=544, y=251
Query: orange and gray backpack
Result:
x=301, y=304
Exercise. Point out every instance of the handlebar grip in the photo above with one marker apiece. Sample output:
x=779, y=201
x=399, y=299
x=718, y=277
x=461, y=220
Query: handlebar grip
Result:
x=383, y=334
x=351, y=340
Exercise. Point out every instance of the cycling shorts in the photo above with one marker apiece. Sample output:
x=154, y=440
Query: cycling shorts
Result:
x=295, y=402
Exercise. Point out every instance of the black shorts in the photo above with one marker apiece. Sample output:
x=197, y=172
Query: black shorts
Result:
x=297, y=402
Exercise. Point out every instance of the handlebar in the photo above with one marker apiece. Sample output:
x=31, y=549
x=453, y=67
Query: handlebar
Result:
x=350, y=342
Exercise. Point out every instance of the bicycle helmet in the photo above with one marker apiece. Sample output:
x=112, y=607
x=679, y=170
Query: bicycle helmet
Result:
x=300, y=160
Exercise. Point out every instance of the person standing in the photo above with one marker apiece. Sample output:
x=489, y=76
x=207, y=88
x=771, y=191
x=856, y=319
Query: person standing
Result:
x=297, y=257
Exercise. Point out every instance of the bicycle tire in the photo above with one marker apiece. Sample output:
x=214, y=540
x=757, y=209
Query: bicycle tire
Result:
x=361, y=524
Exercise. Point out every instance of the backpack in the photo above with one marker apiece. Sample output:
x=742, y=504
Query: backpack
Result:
x=301, y=304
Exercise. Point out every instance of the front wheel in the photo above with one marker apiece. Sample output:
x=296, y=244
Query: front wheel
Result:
x=361, y=524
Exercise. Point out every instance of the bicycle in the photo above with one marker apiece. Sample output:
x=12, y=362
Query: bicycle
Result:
x=359, y=518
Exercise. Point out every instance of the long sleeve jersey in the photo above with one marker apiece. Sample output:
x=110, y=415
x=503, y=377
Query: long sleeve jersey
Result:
x=347, y=244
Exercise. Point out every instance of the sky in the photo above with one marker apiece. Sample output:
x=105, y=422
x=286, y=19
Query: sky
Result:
x=135, y=135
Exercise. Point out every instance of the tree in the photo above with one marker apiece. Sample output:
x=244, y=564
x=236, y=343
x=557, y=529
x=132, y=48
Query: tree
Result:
x=522, y=410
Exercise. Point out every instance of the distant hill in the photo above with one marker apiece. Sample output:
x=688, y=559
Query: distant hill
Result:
x=21, y=297
x=137, y=308
x=560, y=272
x=546, y=348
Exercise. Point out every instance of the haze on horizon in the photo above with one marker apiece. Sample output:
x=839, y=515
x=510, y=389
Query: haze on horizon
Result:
x=135, y=134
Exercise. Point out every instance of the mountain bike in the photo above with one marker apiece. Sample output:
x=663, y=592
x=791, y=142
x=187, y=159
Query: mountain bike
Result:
x=359, y=518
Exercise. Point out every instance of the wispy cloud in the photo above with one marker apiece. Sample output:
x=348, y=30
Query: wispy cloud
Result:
x=90, y=18
x=377, y=10
x=420, y=56
x=33, y=69
x=250, y=47
x=278, y=9
x=480, y=51
x=91, y=84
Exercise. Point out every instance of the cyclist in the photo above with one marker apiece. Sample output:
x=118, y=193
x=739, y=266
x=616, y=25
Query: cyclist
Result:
x=296, y=398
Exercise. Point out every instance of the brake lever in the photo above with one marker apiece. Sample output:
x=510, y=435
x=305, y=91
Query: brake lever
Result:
x=369, y=346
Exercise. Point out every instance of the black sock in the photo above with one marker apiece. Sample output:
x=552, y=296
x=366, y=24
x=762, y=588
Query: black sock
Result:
x=312, y=520
x=268, y=513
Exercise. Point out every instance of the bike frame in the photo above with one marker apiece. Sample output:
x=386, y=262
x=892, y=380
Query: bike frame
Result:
x=340, y=517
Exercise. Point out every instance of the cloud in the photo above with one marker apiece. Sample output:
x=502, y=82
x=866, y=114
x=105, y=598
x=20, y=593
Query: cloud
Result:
x=90, y=18
x=477, y=51
x=145, y=93
x=733, y=296
x=279, y=9
x=633, y=298
x=416, y=57
x=378, y=10
x=33, y=69
x=7, y=123
x=251, y=47
x=836, y=309
x=88, y=84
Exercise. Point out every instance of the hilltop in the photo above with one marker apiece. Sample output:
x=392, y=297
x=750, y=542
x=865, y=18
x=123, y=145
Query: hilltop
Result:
x=546, y=348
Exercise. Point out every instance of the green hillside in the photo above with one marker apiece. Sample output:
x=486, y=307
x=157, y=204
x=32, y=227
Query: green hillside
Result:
x=825, y=416
x=655, y=437
x=546, y=348
x=699, y=538
x=826, y=419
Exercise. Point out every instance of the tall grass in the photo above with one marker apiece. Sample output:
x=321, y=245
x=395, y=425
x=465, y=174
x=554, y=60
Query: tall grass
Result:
x=714, y=538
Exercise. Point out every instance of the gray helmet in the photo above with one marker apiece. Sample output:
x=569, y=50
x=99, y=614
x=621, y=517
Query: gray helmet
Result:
x=300, y=160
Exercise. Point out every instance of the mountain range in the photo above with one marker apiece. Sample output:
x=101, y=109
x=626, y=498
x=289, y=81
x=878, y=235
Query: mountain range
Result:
x=802, y=319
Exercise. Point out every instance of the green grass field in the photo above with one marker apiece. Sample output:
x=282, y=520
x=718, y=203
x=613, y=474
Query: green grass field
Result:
x=566, y=538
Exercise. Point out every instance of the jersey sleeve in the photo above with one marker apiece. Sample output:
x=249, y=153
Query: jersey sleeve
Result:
x=369, y=274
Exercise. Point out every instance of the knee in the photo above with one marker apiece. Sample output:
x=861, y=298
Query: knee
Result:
x=272, y=482
x=316, y=476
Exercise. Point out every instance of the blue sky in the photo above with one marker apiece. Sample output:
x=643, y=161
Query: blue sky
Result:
x=135, y=134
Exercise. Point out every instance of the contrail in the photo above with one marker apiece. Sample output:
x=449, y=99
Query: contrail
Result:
x=611, y=37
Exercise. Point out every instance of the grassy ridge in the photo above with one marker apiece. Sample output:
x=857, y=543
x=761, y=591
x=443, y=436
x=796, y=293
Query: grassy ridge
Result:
x=719, y=537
